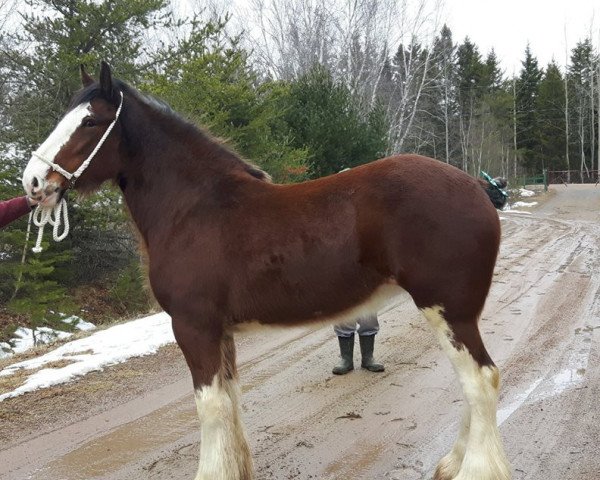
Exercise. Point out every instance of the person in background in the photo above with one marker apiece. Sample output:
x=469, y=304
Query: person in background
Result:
x=15, y=208
x=367, y=329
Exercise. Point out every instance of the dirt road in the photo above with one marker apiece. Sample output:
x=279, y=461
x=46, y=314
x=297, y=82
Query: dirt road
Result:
x=541, y=325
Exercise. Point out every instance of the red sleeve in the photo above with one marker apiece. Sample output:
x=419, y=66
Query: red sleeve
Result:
x=10, y=210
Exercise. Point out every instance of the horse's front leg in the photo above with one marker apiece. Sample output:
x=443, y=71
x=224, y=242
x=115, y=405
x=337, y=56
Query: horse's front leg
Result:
x=210, y=354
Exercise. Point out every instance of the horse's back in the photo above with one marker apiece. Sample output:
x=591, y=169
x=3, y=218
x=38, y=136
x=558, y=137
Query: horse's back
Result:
x=417, y=181
x=419, y=199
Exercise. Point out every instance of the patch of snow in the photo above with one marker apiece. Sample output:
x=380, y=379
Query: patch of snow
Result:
x=79, y=323
x=106, y=347
x=516, y=211
x=523, y=204
x=23, y=337
x=523, y=192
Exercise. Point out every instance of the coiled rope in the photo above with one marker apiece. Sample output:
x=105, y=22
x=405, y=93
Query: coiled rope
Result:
x=43, y=216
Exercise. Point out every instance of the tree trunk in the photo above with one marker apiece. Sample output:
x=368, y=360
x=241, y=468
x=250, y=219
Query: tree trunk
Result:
x=446, y=119
x=592, y=129
x=581, y=143
x=23, y=258
x=567, y=111
x=515, y=124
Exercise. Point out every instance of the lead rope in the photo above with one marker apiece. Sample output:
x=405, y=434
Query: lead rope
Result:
x=42, y=216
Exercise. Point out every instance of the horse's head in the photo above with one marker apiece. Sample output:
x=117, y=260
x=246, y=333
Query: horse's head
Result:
x=69, y=153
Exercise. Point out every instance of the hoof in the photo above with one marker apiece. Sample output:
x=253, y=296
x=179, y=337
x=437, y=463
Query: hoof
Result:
x=440, y=474
x=447, y=468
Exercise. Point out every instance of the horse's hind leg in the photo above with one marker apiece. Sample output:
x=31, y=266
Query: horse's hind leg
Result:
x=478, y=453
x=450, y=464
x=210, y=355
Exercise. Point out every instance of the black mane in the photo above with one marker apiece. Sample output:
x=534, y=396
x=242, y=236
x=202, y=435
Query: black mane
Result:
x=93, y=91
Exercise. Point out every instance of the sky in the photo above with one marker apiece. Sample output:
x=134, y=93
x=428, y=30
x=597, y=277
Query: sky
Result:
x=505, y=25
x=508, y=25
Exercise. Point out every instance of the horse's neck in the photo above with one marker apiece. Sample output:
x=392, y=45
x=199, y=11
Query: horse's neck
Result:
x=165, y=184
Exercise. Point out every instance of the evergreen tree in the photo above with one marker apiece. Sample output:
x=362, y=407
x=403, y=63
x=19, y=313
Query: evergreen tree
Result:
x=492, y=73
x=41, y=300
x=470, y=87
x=40, y=63
x=324, y=119
x=470, y=75
x=550, y=107
x=443, y=96
x=528, y=85
x=28, y=285
x=213, y=85
x=59, y=36
x=582, y=118
x=499, y=103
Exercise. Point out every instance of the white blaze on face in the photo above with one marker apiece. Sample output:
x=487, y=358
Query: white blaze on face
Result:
x=52, y=145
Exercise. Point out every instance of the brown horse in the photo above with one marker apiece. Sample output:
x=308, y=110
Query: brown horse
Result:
x=227, y=247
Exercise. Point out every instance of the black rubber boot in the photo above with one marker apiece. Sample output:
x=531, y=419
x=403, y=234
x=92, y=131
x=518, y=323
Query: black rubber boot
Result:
x=347, y=353
x=367, y=344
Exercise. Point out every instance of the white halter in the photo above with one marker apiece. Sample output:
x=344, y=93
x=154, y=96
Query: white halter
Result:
x=43, y=215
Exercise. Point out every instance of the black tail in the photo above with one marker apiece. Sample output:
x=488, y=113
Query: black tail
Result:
x=497, y=192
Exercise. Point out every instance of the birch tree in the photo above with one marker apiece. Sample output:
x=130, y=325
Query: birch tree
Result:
x=580, y=83
x=598, y=104
x=444, y=52
x=567, y=131
x=353, y=40
x=470, y=72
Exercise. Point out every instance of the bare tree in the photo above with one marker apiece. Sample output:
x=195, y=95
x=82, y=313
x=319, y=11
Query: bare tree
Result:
x=592, y=97
x=289, y=36
x=567, y=159
x=352, y=38
x=444, y=52
x=515, y=160
x=598, y=98
x=7, y=11
x=412, y=67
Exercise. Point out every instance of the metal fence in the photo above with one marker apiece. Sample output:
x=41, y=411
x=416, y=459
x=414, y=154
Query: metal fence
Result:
x=541, y=179
x=573, y=176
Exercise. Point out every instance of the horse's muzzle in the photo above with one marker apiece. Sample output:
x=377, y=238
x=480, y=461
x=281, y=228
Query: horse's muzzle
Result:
x=46, y=193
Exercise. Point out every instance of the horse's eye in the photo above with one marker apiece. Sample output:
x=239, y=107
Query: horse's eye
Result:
x=88, y=122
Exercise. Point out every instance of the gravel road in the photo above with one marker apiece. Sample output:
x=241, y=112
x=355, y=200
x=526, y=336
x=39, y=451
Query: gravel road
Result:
x=541, y=325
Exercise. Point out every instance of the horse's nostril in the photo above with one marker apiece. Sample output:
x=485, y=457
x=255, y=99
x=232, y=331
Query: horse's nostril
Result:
x=35, y=182
x=56, y=189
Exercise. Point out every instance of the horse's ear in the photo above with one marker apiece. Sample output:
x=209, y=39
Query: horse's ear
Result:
x=106, y=82
x=86, y=80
